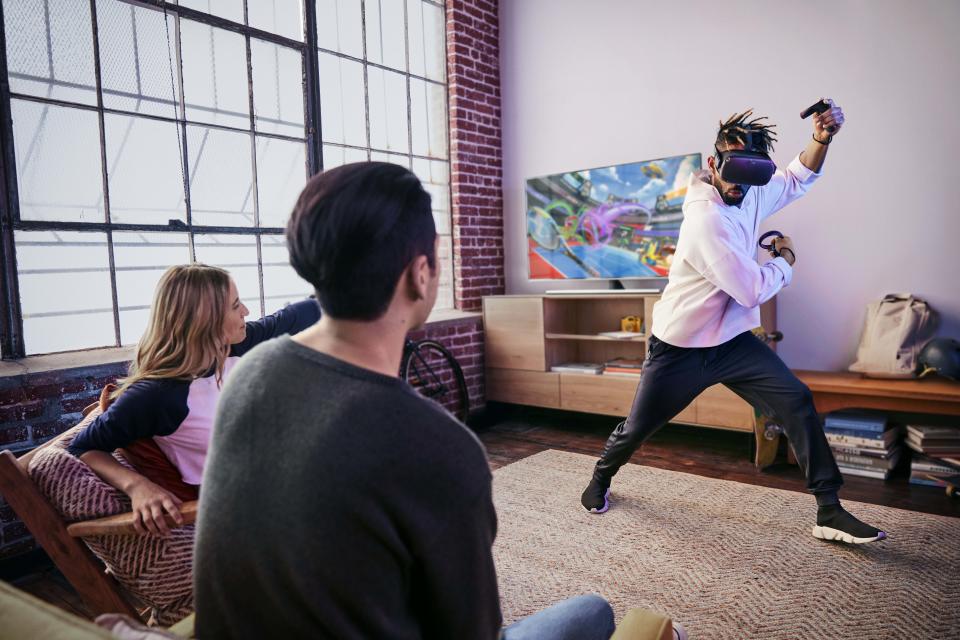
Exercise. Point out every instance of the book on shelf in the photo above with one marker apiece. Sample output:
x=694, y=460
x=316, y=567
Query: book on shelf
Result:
x=856, y=421
x=937, y=451
x=846, y=437
x=625, y=363
x=866, y=472
x=578, y=367
x=864, y=451
x=883, y=464
x=621, y=335
x=923, y=431
x=932, y=465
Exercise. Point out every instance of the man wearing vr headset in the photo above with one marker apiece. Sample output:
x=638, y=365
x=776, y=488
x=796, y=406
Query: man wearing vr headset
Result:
x=701, y=332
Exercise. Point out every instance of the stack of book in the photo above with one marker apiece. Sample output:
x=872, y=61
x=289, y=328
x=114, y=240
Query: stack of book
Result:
x=937, y=453
x=624, y=367
x=931, y=471
x=588, y=368
x=936, y=442
x=864, y=444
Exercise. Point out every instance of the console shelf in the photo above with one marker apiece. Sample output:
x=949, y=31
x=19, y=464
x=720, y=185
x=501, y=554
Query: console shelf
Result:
x=526, y=335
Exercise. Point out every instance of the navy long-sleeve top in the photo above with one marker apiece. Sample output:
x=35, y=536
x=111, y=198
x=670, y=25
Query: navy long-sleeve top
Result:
x=178, y=414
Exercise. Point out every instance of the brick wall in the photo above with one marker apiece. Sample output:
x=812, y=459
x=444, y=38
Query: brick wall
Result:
x=34, y=408
x=464, y=339
x=473, y=63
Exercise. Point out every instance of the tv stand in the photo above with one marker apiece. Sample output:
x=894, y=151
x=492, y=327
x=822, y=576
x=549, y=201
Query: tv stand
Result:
x=526, y=335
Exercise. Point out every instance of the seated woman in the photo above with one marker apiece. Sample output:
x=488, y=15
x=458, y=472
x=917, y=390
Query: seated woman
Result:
x=195, y=335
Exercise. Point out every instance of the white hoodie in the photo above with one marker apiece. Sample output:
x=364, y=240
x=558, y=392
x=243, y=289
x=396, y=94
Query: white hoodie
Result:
x=715, y=286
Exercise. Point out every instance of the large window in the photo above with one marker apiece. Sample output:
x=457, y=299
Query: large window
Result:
x=147, y=134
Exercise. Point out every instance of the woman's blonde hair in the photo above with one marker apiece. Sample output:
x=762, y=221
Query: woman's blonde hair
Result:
x=185, y=334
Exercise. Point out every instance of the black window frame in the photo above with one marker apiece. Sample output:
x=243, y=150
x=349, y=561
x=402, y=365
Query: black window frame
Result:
x=11, y=316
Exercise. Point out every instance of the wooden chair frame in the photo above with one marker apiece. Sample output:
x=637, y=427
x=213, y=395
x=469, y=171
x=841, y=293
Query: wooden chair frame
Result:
x=98, y=589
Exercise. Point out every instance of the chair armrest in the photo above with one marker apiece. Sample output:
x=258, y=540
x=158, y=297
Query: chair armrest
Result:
x=122, y=523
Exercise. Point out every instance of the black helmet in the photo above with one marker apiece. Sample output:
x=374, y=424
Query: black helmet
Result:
x=942, y=356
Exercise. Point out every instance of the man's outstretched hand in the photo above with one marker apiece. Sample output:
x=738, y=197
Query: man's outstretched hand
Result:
x=831, y=118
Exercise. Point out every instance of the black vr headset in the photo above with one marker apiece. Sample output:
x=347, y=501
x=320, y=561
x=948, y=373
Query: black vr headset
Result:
x=745, y=166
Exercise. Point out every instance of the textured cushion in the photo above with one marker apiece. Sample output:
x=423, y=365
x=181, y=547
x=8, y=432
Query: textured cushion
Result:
x=156, y=571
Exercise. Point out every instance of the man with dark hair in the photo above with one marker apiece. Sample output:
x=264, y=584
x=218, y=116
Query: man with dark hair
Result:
x=337, y=502
x=701, y=332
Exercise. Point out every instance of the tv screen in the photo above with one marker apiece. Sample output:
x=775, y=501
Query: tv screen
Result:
x=613, y=222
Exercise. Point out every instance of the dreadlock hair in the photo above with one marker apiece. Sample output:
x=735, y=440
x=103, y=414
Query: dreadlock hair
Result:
x=754, y=135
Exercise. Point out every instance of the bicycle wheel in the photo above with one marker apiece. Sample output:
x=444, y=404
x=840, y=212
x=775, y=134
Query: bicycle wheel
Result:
x=436, y=374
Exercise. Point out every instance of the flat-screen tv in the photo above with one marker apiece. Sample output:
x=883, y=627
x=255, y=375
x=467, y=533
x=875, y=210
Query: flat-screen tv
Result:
x=609, y=223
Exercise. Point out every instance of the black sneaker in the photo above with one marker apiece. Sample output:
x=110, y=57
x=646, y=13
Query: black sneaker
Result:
x=835, y=523
x=596, y=497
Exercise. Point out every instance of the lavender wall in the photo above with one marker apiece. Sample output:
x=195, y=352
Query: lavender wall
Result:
x=619, y=81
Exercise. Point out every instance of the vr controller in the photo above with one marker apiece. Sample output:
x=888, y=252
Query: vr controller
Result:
x=818, y=107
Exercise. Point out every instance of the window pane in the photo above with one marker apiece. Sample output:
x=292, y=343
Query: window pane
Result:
x=137, y=58
x=445, y=259
x=277, y=88
x=281, y=284
x=50, y=49
x=229, y=9
x=435, y=178
x=340, y=27
x=380, y=156
x=426, y=37
x=141, y=258
x=64, y=290
x=388, y=110
x=385, y=33
x=342, y=104
x=144, y=166
x=283, y=17
x=334, y=156
x=428, y=118
x=238, y=255
x=58, y=162
x=214, y=75
x=281, y=175
x=221, y=177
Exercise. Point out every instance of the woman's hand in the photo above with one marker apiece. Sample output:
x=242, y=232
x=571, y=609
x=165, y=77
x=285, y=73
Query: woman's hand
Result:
x=150, y=503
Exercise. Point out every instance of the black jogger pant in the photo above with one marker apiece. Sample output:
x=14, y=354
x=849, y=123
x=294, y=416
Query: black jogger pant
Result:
x=674, y=376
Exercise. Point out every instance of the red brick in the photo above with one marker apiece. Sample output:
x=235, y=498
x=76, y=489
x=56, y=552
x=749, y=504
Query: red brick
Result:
x=78, y=404
x=45, y=430
x=22, y=411
x=10, y=435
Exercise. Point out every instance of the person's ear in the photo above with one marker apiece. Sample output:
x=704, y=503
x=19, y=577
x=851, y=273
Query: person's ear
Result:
x=418, y=277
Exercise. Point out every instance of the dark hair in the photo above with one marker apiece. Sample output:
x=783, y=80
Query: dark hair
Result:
x=353, y=231
x=751, y=133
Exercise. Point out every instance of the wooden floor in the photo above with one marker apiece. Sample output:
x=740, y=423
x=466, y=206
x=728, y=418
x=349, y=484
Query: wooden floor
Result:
x=516, y=433
x=513, y=433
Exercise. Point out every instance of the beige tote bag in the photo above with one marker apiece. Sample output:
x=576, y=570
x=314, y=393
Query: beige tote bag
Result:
x=895, y=330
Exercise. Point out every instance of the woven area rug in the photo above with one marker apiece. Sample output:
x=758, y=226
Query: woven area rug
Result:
x=725, y=559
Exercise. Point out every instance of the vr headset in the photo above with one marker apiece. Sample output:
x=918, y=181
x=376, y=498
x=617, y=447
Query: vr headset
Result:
x=744, y=166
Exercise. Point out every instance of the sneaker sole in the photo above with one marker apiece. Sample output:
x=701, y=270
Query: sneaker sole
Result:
x=606, y=503
x=829, y=533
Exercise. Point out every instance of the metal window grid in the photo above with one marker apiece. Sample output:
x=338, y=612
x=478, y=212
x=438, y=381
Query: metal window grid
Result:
x=11, y=316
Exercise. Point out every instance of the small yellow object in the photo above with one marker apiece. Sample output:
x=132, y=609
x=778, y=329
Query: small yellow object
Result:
x=631, y=323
